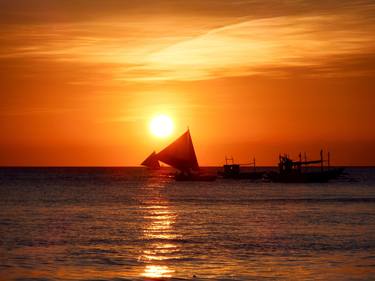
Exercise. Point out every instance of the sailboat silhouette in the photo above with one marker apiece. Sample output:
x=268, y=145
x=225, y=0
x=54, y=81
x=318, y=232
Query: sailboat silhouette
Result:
x=180, y=154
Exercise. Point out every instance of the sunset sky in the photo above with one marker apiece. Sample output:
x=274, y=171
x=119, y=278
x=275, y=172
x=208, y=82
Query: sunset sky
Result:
x=80, y=80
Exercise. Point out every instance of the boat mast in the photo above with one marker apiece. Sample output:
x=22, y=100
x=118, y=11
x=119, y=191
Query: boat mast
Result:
x=255, y=168
x=329, y=159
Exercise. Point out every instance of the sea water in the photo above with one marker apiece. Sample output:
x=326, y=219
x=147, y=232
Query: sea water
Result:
x=130, y=224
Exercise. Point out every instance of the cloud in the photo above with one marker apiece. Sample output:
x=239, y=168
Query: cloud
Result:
x=258, y=46
x=189, y=46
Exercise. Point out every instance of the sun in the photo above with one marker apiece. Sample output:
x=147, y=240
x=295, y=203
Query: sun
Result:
x=161, y=126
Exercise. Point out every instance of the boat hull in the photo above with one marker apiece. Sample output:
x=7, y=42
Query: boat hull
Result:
x=243, y=176
x=323, y=176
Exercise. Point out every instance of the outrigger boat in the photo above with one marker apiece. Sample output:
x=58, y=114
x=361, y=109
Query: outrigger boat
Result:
x=297, y=171
x=151, y=162
x=181, y=155
x=233, y=171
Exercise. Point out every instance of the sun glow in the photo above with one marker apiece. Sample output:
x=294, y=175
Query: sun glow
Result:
x=161, y=126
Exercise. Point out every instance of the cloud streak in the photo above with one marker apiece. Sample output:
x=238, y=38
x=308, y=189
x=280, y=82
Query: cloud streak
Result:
x=256, y=46
x=188, y=47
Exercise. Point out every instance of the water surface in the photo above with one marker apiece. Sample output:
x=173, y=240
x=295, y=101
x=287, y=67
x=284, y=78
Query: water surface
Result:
x=123, y=224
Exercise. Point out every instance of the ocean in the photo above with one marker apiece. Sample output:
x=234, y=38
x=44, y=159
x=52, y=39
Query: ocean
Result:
x=130, y=224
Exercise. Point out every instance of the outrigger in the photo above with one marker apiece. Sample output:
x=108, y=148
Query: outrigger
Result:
x=298, y=171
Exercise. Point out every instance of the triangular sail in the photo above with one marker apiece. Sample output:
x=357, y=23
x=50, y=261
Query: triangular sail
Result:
x=151, y=162
x=180, y=154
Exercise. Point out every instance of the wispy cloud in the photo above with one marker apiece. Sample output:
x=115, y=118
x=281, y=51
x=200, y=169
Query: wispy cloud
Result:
x=257, y=46
x=42, y=111
x=197, y=48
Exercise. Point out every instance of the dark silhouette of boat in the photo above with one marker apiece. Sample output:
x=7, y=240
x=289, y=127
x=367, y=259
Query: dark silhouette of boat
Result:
x=233, y=171
x=298, y=171
x=181, y=155
x=151, y=162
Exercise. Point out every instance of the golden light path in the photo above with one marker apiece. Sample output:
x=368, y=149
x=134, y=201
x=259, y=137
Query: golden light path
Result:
x=159, y=233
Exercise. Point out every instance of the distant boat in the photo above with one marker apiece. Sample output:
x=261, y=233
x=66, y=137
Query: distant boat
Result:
x=181, y=155
x=233, y=171
x=151, y=162
x=296, y=171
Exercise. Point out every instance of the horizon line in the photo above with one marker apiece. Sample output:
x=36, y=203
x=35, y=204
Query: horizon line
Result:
x=140, y=166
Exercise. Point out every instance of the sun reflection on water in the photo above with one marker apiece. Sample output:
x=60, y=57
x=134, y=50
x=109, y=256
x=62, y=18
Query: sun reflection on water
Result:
x=159, y=234
x=156, y=271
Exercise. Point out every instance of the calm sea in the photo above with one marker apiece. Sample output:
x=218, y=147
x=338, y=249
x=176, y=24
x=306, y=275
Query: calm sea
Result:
x=127, y=224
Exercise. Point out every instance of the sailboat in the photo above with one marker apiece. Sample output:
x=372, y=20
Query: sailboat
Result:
x=180, y=154
x=151, y=162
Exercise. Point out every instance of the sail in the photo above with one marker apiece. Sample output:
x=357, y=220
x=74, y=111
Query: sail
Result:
x=180, y=154
x=151, y=161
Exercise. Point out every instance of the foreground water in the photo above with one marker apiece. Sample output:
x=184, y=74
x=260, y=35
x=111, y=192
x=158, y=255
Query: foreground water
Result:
x=122, y=224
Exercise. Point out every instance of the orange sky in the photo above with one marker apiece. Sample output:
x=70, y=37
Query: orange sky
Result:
x=80, y=80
